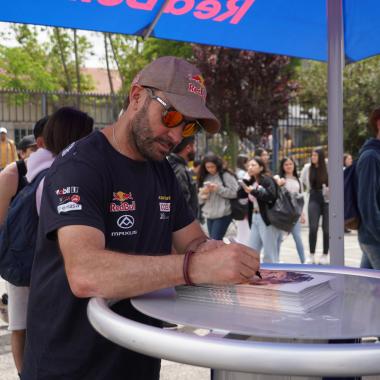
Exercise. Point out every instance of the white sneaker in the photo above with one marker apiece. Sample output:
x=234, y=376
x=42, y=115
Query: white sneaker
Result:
x=310, y=259
x=324, y=260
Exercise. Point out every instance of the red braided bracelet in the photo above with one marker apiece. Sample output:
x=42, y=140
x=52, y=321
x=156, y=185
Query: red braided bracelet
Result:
x=186, y=262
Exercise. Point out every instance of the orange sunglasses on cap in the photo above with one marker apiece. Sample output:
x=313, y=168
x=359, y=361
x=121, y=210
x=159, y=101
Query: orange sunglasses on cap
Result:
x=172, y=118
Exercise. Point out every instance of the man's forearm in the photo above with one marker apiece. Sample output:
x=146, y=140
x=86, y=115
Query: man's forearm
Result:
x=196, y=243
x=110, y=274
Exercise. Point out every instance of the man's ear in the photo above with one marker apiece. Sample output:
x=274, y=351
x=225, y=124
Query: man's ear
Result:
x=136, y=96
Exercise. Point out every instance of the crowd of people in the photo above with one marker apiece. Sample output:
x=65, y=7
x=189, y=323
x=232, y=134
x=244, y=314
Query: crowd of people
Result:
x=259, y=187
x=256, y=186
x=120, y=214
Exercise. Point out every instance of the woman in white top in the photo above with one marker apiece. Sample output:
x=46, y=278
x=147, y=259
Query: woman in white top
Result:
x=261, y=192
x=288, y=177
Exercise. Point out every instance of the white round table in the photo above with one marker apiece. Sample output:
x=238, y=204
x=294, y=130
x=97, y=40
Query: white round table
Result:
x=255, y=341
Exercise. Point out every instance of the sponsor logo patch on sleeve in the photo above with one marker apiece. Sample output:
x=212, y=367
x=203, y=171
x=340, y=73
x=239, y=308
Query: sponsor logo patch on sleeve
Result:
x=67, y=190
x=69, y=206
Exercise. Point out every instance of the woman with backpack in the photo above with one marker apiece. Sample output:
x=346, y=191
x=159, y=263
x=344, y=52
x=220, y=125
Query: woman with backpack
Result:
x=217, y=187
x=64, y=127
x=12, y=181
x=314, y=176
x=288, y=177
x=261, y=191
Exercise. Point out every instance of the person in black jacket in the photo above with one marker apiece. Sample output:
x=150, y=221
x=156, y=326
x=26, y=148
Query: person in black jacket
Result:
x=315, y=176
x=178, y=160
x=262, y=193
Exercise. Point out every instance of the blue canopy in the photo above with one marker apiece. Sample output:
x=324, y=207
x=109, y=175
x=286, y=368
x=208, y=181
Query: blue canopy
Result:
x=336, y=31
x=295, y=28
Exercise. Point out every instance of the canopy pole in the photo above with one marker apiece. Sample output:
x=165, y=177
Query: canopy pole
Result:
x=335, y=129
x=155, y=21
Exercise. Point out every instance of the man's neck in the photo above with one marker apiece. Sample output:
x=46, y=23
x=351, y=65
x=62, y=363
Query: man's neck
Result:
x=116, y=135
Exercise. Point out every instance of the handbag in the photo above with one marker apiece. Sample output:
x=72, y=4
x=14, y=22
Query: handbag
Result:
x=239, y=207
x=286, y=210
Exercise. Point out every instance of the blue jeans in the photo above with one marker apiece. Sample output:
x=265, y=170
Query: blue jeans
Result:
x=217, y=228
x=265, y=237
x=296, y=233
x=371, y=256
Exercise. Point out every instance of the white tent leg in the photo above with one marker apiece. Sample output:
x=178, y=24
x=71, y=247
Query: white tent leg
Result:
x=335, y=129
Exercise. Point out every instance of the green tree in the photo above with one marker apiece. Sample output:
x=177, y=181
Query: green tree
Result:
x=67, y=52
x=49, y=66
x=24, y=66
x=154, y=48
x=361, y=94
x=131, y=54
x=248, y=91
x=19, y=70
x=245, y=88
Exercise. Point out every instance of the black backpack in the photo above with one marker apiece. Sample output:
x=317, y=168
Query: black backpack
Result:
x=21, y=170
x=18, y=235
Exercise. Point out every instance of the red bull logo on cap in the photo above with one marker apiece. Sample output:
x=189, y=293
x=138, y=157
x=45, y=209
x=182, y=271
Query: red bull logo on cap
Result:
x=197, y=85
x=231, y=11
x=198, y=78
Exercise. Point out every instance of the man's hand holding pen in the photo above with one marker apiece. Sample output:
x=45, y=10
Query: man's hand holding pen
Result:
x=232, y=240
x=227, y=264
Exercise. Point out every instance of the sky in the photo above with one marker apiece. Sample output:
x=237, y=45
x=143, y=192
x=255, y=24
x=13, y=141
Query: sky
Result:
x=96, y=39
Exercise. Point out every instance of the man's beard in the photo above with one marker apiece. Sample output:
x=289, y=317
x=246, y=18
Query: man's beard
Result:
x=144, y=140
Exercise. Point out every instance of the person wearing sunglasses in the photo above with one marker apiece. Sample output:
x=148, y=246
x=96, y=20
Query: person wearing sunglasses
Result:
x=111, y=211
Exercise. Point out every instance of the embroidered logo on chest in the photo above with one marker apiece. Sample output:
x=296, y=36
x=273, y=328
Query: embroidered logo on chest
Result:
x=122, y=201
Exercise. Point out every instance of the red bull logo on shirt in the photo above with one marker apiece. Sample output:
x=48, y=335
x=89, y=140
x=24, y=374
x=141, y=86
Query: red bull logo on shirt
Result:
x=231, y=11
x=122, y=197
x=119, y=202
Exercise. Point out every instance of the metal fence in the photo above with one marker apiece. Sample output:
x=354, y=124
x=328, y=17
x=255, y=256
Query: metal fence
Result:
x=295, y=135
x=19, y=110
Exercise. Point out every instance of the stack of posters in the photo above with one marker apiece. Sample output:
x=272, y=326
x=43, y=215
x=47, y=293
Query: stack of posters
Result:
x=284, y=291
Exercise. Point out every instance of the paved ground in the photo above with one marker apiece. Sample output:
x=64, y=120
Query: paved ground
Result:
x=174, y=371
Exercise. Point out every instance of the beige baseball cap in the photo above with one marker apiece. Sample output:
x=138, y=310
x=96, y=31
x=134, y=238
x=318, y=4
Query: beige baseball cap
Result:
x=183, y=86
